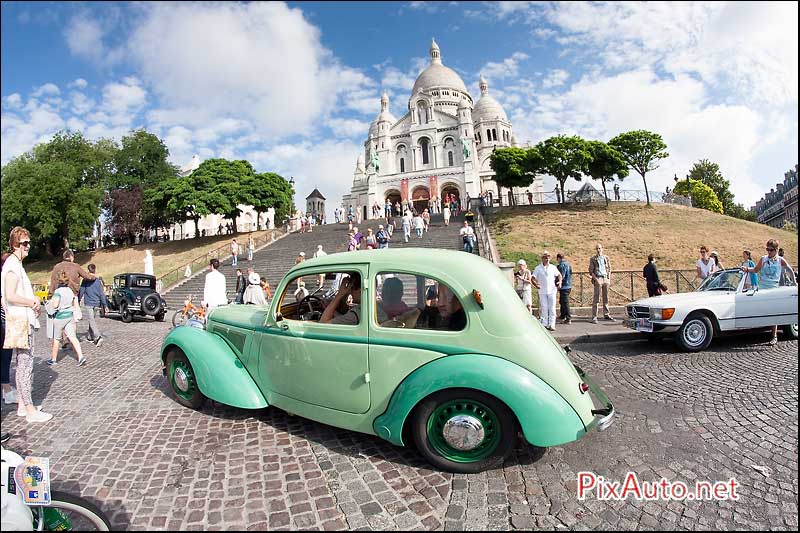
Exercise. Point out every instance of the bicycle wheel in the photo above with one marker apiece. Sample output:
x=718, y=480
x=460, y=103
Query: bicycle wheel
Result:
x=77, y=514
x=180, y=318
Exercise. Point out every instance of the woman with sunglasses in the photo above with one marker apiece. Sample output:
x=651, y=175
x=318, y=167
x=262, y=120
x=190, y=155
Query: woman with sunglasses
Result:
x=771, y=267
x=22, y=305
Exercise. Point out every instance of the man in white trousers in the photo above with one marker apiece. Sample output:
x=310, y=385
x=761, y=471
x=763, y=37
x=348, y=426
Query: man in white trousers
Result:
x=547, y=279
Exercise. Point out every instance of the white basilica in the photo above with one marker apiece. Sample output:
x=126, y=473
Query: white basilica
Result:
x=440, y=146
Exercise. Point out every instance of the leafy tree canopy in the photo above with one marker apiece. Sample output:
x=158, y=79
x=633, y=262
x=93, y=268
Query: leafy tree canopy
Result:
x=702, y=195
x=709, y=173
x=606, y=164
x=564, y=157
x=642, y=151
x=514, y=167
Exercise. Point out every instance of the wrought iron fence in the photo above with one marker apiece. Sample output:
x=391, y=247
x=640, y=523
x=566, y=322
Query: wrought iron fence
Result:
x=586, y=197
x=481, y=232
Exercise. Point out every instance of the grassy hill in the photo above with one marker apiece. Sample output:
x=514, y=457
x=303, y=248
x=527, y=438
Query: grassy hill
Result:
x=628, y=232
x=166, y=256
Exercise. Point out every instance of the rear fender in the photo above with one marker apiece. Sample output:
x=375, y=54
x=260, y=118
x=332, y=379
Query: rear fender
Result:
x=220, y=374
x=546, y=419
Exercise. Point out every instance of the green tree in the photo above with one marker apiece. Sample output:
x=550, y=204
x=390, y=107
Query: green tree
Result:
x=702, y=195
x=228, y=177
x=564, y=157
x=739, y=211
x=55, y=190
x=140, y=164
x=514, y=167
x=196, y=195
x=606, y=164
x=642, y=151
x=709, y=173
x=266, y=190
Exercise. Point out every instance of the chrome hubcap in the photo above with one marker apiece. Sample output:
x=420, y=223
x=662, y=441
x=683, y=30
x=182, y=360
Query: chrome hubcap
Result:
x=463, y=432
x=181, y=380
x=695, y=333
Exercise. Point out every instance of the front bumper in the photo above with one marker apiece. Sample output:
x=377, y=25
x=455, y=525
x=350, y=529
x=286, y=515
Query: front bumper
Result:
x=603, y=417
x=652, y=326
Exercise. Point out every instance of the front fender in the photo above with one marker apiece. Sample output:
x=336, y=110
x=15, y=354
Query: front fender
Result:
x=545, y=417
x=220, y=375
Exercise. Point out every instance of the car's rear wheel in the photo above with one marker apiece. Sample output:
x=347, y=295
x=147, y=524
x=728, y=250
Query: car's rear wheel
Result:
x=463, y=430
x=790, y=330
x=151, y=304
x=182, y=380
x=695, y=333
x=125, y=313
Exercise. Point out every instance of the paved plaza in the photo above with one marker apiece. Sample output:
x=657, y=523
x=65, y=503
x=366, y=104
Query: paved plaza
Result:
x=120, y=440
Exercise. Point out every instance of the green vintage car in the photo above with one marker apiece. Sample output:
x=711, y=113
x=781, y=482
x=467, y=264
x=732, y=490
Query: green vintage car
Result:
x=430, y=348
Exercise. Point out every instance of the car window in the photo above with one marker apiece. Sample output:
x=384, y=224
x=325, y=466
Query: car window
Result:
x=416, y=302
x=309, y=296
x=726, y=280
x=121, y=282
x=144, y=283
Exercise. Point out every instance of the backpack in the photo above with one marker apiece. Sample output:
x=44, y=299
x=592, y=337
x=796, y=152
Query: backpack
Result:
x=382, y=238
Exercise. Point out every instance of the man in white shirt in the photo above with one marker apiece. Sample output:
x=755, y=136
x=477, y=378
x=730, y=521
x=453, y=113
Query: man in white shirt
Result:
x=547, y=279
x=215, y=291
x=407, y=220
x=468, y=237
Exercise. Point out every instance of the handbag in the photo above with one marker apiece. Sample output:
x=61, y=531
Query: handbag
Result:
x=17, y=331
x=76, y=306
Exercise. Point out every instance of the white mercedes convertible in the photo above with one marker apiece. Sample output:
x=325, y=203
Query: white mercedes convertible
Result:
x=724, y=302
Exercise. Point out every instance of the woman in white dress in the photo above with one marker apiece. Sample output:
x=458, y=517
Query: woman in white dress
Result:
x=525, y=285
x=446, y=212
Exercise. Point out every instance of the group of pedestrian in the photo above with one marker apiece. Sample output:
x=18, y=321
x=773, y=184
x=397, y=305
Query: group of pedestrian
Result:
x=556, y=280
x=236, y=249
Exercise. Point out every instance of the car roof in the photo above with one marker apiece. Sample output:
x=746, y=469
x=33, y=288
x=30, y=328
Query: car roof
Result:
x=126, y=274
x=469, y=267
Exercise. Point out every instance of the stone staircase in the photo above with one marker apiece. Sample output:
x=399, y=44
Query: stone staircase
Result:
x=274, y=260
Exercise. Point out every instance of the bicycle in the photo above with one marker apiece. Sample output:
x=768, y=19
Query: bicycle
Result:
x=29, y=504
x=189, y=310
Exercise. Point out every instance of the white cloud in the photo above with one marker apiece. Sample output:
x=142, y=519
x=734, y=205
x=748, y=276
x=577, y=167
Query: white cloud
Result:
x=344, y=127
x=122, y=98
x=555, y=78
x=508, y=68
x=260, y=62
x=78, y=83
x=12, y=101
x=48, y=89
x=84, y=37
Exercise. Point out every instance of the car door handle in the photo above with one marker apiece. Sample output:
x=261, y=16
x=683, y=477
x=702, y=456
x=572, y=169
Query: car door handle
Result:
x=285, y=327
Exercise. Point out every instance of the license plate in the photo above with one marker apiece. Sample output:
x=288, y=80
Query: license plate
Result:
x=639, y=324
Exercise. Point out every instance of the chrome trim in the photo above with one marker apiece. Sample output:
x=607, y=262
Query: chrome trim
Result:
x=463, y=432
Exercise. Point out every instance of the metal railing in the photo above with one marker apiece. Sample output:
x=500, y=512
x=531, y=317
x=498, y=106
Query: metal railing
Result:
x=201, y=262
x=627, y=286
x=572, y=197
x=485, y=248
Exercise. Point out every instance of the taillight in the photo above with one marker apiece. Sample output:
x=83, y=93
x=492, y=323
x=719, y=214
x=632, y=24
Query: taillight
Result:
x=584, y=387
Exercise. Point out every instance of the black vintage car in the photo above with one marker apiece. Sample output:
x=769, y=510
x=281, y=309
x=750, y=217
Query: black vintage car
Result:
x=135, y=294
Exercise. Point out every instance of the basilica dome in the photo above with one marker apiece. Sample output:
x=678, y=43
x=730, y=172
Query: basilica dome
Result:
x=487, y=107
x=438, y=75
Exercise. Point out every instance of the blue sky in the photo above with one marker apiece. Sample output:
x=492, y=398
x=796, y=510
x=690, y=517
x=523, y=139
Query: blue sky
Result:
x=293, y=87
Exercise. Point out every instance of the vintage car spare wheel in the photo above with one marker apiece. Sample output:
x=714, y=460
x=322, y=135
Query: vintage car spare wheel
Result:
x=464, y=430
x=151, y=304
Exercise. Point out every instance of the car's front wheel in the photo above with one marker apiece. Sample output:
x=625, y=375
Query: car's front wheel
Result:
x=463, y=430
x=125, y=313
x=182, y=380
x=790, y=330
x=695, y=333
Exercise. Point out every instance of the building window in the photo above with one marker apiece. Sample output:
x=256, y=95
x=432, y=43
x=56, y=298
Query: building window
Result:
x=450, y=159
x=423, y=144
x=494, y=134
x=402, y=164
x=488, y=135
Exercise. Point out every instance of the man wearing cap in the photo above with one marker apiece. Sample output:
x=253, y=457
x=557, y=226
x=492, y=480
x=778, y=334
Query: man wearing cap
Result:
x=524, y=277
x=547, y=279
x=382, y=237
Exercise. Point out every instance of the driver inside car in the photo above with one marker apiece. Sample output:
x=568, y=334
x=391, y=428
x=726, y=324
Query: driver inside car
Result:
x=338, y=311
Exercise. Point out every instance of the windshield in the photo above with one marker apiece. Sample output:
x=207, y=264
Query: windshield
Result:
x=725, y=280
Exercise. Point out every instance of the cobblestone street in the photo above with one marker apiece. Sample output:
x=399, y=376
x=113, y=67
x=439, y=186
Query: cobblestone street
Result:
x=119, y=439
